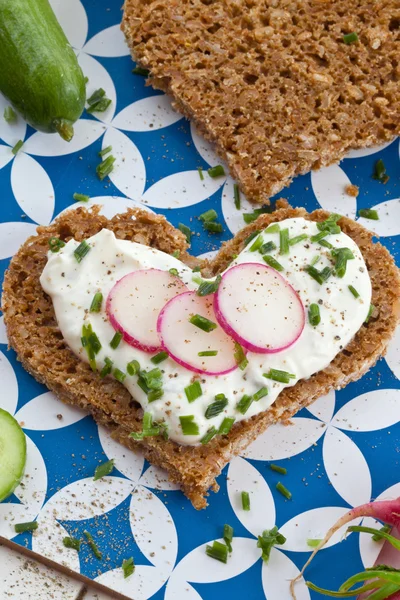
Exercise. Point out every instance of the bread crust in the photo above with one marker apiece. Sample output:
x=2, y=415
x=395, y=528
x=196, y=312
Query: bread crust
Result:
x=34, y=335
x=273, y=84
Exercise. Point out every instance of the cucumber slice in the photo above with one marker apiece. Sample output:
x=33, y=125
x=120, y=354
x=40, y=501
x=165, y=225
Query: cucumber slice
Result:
x=12, y=454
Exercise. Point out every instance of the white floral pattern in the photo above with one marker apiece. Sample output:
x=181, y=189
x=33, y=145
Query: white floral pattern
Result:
x=158, y=155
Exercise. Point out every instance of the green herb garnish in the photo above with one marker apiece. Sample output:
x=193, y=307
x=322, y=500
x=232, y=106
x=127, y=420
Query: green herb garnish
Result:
x=228, y=536
x=71, y=542
x=226, y=425
x=278, y=469
x=128, y=567
x=81, y=251
x=93, y=545
x=202, y=323
x=213, y=227
x=236, y=195
x=140, y=71
x=133, y=367
x=81, y=197
x=208, y=436
x=218, y=551
x=153, y=395
x=17, y=147
x=245, y=501
x=319, y=276
x=103, y=469
x=273, y=263
x=189, y=425
x=216, y=171
x=55, y=244
x=148, y=428
x=186, y=231
x=350, y=38
x=216, y=407
x=105, y=167
x=200, y=171
x=240, y=357
x=173, y=272
x=268, y=540
x=119, y=375
x=244, y=404
x=116, y=340
x=297, y=239
x=370, y=311
x=209, y=287
x=313, y=542
x=209, y=215
x=10, y=116
x=314, y=317
x=267, y=248
x=284, y=241
x=208, y=353
x=193, y=391
x=260, y=394
x=353, y=291
x=281, y=376
x=380, y=172
x=283, y=490
x=106, y=370
x=24, y=527
x=369, y=213
x=342, y=255
x=96, y=302
x=158, y=358
x=274, y=228
x=256, y=245
x=105, y=151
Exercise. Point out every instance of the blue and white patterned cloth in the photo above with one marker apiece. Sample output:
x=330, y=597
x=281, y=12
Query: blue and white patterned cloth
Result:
x=340, y=452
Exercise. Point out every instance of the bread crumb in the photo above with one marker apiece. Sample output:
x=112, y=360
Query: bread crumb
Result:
x=352, y=190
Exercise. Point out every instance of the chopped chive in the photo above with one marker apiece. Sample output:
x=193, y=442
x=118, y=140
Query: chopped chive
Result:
x=197, y=279
x=202, y=323
x=103, y=469
x=119, y=375
x=226, y=426
x=94, y=342
x=218, y=551
x=148, y=429
x=281, y=376
x=216, y=171
x=268, y=540
x=350, y=38
x=196, y=269
x=106, y=370
x=240, y=357
x=116, y=340
x=267, y=248
x=216, y=407
x=140, y=71
x=353, y=291
x=24, y=527
x=260, y=394
x=96, y=302
x=342, y=255
x=93, y=545
x=209, y=287
x=193, y=391
x=278, y=469
x=173, y=272
x=10, y=116
x=176, y=253
x=244, y=404
x=313, y=542
x=208, y=436
x=256, y=245
x=236, y=195
x=369, y=213
x=245, y=500
x=209, y=215
x=273, y=263
x=274, y=228
x=377, y=537
x=297, y=239
x=128, y=567
x=155, y=395
x=96, y=96
x=158, y=358
x=186, y=231
x=152, y=379
x=330, y=224
x=284, y=241
x=99, y=106
x=251, y=237
x=189, y=425
x=105, y=151
x=250, y=217
x=105, y=167
x=133, y=367
x=380, y=172
x=370, y=311
x=319, y=236
x=228, y=536
x=81, y=251
x=208, y=353
x=200, y=171
x=319, y=276
x=314, y=317
x=314, y=260
x=17, y=147
x=71, y=542
x=283, y=490
x=213, y=227
x=55, y=244
x=326, y=244
x=81, y=197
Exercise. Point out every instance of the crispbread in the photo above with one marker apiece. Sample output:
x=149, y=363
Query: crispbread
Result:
x=272, y=83
x=34, y=335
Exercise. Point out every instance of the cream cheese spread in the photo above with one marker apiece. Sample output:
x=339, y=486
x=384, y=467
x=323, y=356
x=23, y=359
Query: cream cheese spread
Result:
x=72, y=285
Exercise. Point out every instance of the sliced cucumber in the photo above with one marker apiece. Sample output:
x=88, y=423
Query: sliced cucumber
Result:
x=12, y=454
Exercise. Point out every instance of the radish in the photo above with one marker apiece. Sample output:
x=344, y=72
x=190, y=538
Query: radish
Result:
x=259, y=308
x=387, y=511
x=189, y=333
x=135, y=301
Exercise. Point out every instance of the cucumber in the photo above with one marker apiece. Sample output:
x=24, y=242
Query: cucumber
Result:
x=12, y=454
x=39, y=72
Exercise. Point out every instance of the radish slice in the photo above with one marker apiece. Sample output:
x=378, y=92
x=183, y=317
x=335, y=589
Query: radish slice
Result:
x=259, y=308
x=183, y=341
x=135, y=301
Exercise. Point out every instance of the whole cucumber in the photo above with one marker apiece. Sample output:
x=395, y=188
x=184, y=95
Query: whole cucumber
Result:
x=39, y=72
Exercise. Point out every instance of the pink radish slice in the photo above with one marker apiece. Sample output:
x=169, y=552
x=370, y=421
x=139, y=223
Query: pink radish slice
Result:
x=259, y=308
x=183, y=341
x=135, y=301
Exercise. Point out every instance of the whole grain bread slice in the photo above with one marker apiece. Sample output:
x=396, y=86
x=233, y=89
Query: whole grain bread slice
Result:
x=34, y=335
x=272, y=82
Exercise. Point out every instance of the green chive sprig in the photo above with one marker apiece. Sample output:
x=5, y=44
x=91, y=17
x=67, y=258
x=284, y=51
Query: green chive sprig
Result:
x=267, y=540
x=128, y=567
x=17, y=147
x=105, y=167
x=278, y=375
x=216, y=171
x=104, y=469
x=240, y=357
x=98, y=102
x=236, y=196
x=256, y=245
x=380, y=172
x=25, y=527
x=283, y=490
x=314, y=316
x=284, y=241
x=341, y=256
x=216, y=407
x=193, y=391
x=268, y=247
x=226, y=426
x=209, y=287
x=55, y=244
x=81, y=251
x=297, y=239
x=218, y=551
x=350, y=38
x=278, y=469
x=213, y=227
x=189, y=425
x=200, y=171
x=202, y=323
x=209, y=435
x=245, y=501
x=208, y=353
x=116, y=340
x=186, y=231
x=93, y=546
x=319, y=276
x=353, y=290
x=149, y=429
x=71, y=542
x=96, y=302
x=119, y=375
x=244, y=404
x=133, y=367
x=140, y=71
x=159, y=358
x=80, y=197
x=369, y=213
x=228, y=536
x=273, y=263
x=10, y=116
x=105, y=151
x=260, y=394
x=107, y=369
x=209, y=215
